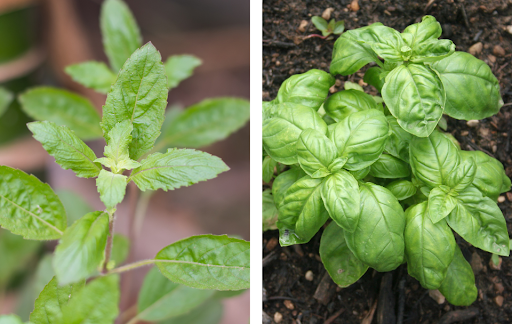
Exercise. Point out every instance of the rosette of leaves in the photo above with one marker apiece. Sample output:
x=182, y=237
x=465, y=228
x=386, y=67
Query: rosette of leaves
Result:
x=328, y=28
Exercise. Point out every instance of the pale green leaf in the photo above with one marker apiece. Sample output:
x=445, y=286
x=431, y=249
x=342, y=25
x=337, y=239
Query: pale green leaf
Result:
x=340, y=194
x=92, y=74
x=402, y=189
x=459, y=284
x=319, y=22
x=268, y=169
x=210, y=313
x=315, y=153
x=112, y=188
x=6, y=98
x=179, y=68
x=116, y=151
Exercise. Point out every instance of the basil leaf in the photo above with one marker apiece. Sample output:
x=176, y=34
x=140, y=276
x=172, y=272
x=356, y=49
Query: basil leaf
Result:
x=6, y=97
x=343, y=103
x=459, y=285
x=82, y=248
x=64, y=108
x=361, y=138
x=472, y=91
x=282, y=130
x=480, y=222
x=283, y=181
x=402, y=189
x=426, y=30
x=268, y=169
x=211, y=313
x=121, y=35
x=302, y=212
x=414, y=94
x=140, y=96
x=341, y=264
x=399, y=139
x=307, y=89
x=160, y=298
x=389, y=167
x=206, y=122
x=116, y=151
x=440, y=204
x=96, y=303
x=461, y=177
x=315, y=153
x=360, y=174
x=387, y=43
x=269, y=211
x=93, y=75
x=378, y=240
x=372, y=76
x=340, y=193
x=48, y=306
x=176, y=168
x=70, y=152
x=29, y=207
x=111, y=187
x=429, y=247
x=179, y=68
x=433, y=50
x=433, y=158
x=207, y=262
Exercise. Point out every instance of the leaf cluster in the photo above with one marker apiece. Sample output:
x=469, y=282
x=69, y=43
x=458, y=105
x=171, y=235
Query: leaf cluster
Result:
x=328, y=28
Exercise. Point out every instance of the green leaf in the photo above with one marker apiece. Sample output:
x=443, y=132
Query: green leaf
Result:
x=282, y=130
x=93, y=75
x=402, y=189
x=460, y=178
x=414, y=94
x=179, y=68
x=389, y=167
x=74, y=204
x=387, y=43
x=207, y=262
x=69, y=151
x=361, y=138
x=341, y=264
x=64, y=108
x=440, y=204
x=433, y=159
x=82, y=248
x=426, y=30
x=111, y=187
x=352, y=86
x=269, y=211
x=48, y=306
x=302, y=212
x=378, y=240
x=343, y=103
x=176, y=168
x=139, y=95
x=398, y=142
x=480, y=222
x=373, y=77
x=360, y=174
x=206, y=122
x=10, y=319
x=160, y=298
x=339, y=27
x=319, y=22
x=121, y=35
x=429, y=247
x=340, y=194
x=96, y=303
x=268, y=169
x=308, y=89
x=6, y=97
x=433, y=50
x=120, y=249
x=29, y=207
x=315, y=153
x=472, y=91
x=211, y=313
x=459, y=284
x=116, y=151
x=283, y=181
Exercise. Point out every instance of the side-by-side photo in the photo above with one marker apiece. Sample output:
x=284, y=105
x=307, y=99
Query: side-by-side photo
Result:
x=387, y=159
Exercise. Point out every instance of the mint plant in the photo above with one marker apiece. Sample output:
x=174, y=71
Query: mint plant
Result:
x=89, y=257
x=396, y=187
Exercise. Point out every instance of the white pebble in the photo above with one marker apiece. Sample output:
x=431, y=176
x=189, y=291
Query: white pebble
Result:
x=309, y=275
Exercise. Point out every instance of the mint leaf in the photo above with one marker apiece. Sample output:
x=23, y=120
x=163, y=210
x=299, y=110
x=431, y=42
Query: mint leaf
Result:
x=116, y=151
x=121, y=35
x=112, y=188
x=91, y=74
x=63, y=108
x=69, y=151
x=139, y=96
x=209, y=313
x=179, y=68
x=206, y=122
x=176, y=168
x=207, y=262
x=29, y=207
x=6, y=98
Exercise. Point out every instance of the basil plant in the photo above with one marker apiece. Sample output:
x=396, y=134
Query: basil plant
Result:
x=83, y=287
x=395, y=187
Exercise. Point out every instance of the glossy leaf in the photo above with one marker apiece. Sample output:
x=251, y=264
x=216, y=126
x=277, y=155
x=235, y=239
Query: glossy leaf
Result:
x=460, y=178
x=160, y=298
x=176, y=168
x=432, y=50
x=139, y=95
x=29, y=207
x=459, y=285
x=64, y=108
x=440, y=204
x=414, y=94
x=269, y=211
x=179, y=68
x=399, y=139
x=341, y=264
x=402, y=189
x=429, y=247
x=340, y=194
x=121, y=35
x=378, y=240
x=387, y=43
x=373, y=77
x=319, y=22
x=6, y=97
x=268, y=169
x=426, y=30
x=117, y=157
x=207, y=262
x=82, y=248
x=92, y=74
x=389, y=167
x=111, y=187
x=282, y=130
x=343, y=103
x=211, y=313
x=472, y=91
x=360, y=174
x=315, y=153
x=283, y=181
x=69, y=151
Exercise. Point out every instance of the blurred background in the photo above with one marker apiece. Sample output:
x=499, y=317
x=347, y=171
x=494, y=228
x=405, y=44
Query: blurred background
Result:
x=39, y=38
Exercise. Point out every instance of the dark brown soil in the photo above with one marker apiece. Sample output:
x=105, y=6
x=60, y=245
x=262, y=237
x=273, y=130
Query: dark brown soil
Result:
x=286, y=52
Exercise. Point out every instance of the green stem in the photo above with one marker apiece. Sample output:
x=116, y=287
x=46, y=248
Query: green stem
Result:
x=131, y=266
x=110, y=240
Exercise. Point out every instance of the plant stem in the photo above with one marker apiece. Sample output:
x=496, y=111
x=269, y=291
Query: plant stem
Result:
x=110, y=240
x=131, y=266
x=316, y=35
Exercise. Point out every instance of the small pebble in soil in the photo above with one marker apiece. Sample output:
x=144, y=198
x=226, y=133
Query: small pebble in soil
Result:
x=509, y=196
x=472, y=123
x=476, y=263
x=499, y=287
x=499, y=300
x=437, y=296
x=309, y=275
x=498, y=51
x=271, y=244
x=476, y=48
x=464, y=133
x=354, y=5
x=491, y=58
x=278, y=317
x=302, y=26
x=327, y=13
x=501, y=199
x=288, y=304
x=509, y=29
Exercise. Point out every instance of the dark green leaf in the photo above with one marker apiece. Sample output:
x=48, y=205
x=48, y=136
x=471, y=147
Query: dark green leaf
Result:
x=343, y=103
x=92, y=74
x=389, y=167
x=340, y=193
x=459, y=285
x=402, y=189
x=179, y=68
